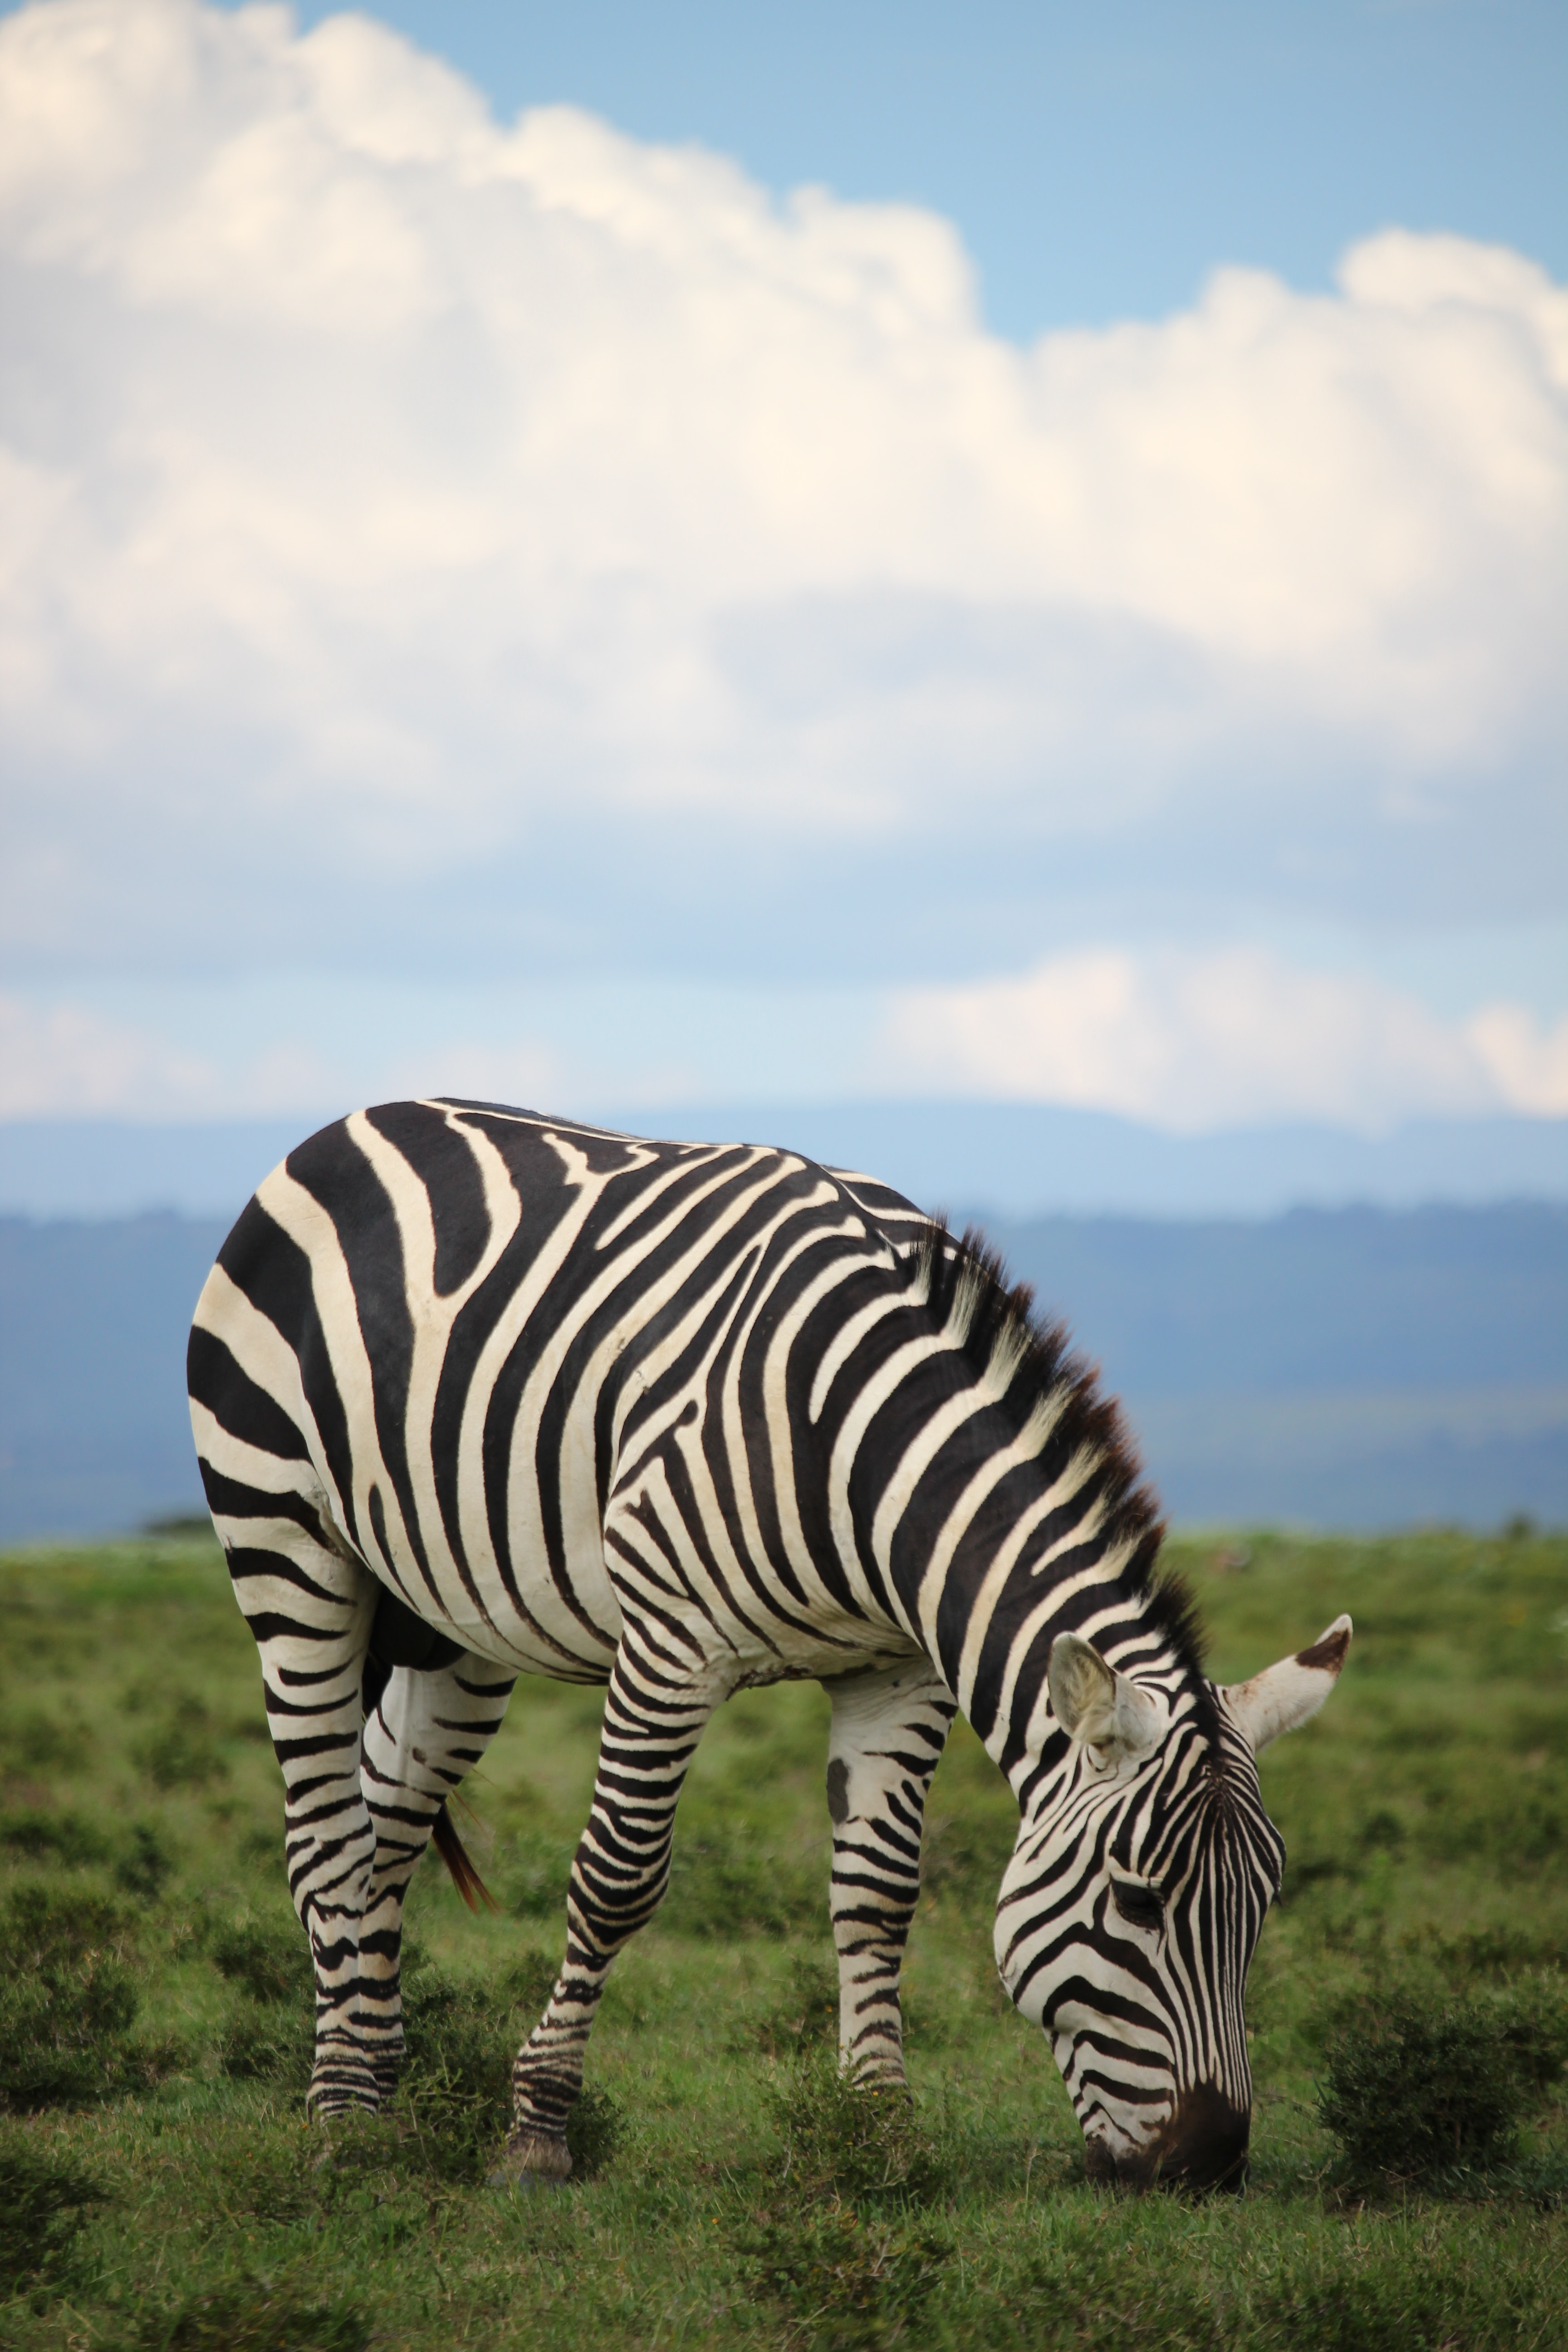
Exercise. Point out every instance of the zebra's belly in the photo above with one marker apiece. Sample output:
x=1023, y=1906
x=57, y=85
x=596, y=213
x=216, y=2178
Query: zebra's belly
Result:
x=516, y=1573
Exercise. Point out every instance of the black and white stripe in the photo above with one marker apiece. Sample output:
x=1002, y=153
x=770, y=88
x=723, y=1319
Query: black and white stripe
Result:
x=479, y=1393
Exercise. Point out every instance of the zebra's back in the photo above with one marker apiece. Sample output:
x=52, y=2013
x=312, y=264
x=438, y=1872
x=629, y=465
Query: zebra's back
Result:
x=468, y=1338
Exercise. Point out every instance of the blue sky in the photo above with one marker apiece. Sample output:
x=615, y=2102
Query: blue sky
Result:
x=882, y=552
x=1098, y=160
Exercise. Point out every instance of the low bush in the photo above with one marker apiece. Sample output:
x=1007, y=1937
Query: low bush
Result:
x=460, y=2038
x=1414, y=2087
x=804, y=2017
x=182, y=1753
x=145, y=1867
x=43, y=2205
x=844, y=2281
x=271, y=1961
x=1533, y=2013
x=595, y=2129
x=269, y=2044
x=847, y=2139
x=1419, y=2301
x=459, y=2041
x=67, y=2001
x=39, y=1834
x=528, y=1984
x=34, y=1742
x=252, y=2316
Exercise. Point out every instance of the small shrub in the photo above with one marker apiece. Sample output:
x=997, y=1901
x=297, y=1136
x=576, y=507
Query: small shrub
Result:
x=269, y=2045
x=268, y=1961
x=851, y=2141
x=67, y=2001
x=1119, y=2296
x=1414, y=2087
x=1422, y=2305
x=67, y=1836
x=458, y=2042
x=805, y=2017
x=594, y=2131
x=144, y=1869
x=1495, y=1950
x=1533, y=2015
x=35, y=1743
x=43, y=2205
x=529, y=1983
x=253, y=2316
x=845, y=2281
x=181, y=1753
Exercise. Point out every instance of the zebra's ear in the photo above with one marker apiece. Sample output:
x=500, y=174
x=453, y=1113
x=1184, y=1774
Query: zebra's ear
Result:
x=1094, y=1703
x=1284, y=1695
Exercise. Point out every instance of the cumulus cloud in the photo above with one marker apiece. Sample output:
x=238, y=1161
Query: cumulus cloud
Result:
x=401, y=504
x=1198, y=1042
x=62, y=1058
x=66, y=1061
x=1192, y=1042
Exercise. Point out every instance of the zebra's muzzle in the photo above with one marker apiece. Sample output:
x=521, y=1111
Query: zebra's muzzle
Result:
x=1202, y=2147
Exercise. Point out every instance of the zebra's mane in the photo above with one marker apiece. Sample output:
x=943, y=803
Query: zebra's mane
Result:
x=1029, y=1363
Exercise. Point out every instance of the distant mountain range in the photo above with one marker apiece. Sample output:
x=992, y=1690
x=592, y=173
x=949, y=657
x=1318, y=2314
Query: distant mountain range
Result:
x=1351, y=1367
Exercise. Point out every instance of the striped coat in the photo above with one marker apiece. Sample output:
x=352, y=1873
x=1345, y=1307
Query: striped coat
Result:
x=479, y=1394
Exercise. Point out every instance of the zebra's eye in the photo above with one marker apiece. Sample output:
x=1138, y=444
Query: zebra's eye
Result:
x=1141, y=1906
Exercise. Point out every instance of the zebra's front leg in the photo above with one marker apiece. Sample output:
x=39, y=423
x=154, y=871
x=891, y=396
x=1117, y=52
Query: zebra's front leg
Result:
x=655, y=1713
x=424, y=1733
x=887, y=1735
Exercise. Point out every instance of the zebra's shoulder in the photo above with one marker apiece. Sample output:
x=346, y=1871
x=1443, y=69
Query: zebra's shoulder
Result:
x=901, y=1223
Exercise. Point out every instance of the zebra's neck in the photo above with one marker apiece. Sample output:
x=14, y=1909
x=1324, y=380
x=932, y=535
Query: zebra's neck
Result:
x=1015, y=1512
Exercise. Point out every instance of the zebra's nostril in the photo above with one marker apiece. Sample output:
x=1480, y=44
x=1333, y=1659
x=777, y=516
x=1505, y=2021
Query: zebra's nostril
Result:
x=1204, y=2144
x=1202, y=2147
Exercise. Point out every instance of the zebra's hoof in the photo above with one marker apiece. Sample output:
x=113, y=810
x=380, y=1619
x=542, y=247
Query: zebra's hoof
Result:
x=341, y=2086
x=334, y=2106
x=530, y=2160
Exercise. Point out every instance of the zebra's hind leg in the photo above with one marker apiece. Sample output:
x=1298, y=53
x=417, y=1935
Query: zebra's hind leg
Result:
x=309, y=1606
x=654, y=1716
x=888, y=1734
x=427, y=1730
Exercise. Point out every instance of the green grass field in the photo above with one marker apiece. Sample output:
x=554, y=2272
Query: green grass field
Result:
x=154, y=2015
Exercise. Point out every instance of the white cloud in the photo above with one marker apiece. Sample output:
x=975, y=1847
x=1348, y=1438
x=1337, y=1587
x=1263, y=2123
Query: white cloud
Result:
x=65, y=1059
x=1191, y=1042
x=1235, y=1038
x=1527, y=1061
x=391, y=481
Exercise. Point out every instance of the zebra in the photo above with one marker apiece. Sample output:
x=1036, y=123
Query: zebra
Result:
x=479, y=1393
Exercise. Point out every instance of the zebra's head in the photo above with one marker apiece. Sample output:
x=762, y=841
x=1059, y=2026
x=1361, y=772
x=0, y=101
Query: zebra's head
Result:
x=1130, y=1911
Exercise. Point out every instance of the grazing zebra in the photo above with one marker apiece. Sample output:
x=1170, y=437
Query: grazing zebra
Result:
x=479, y=1393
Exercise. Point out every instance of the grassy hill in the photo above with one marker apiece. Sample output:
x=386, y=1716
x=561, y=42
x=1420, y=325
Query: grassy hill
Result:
x=731, y=2203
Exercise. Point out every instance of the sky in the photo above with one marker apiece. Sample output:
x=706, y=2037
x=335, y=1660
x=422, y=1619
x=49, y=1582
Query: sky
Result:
x=615, y=557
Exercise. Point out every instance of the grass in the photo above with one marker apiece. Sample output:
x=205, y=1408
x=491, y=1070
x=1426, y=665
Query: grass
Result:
x=159, y=2191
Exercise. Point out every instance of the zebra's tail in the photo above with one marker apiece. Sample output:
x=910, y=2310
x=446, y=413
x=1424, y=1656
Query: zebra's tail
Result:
x=455, y=1854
